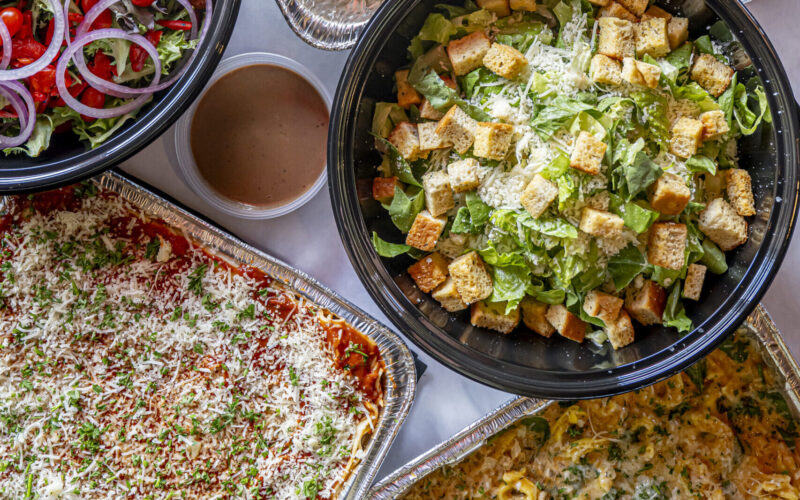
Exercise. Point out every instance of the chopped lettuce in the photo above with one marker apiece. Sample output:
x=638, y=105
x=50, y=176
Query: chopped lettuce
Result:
x=556, y=115
x=404, y=208
x=437, y=28
x=443, y=97
x=399, y=166
x=627, y=265
x=39, y=139
x=385, y=117
x=700, y=164
x=634, y=177
x=674, y=313
x=652, y=110
x=171, y=48
x=473, y=217
x=386, y=249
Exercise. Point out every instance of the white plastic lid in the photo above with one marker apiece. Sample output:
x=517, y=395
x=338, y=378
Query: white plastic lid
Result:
x=187, y=167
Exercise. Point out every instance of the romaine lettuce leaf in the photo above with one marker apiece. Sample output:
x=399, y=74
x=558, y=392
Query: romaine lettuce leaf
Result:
x=509, y=285
x=633, y=178
x=38, y=141
x=386, y=249
x=627, y=265
x=443, y=97
x=674, y=313
x=556, y=115
x=386, y=116
x=637, y=217
x=653, y=112
x=437, y=28
x=399, y=166
x=404, y=208
x=700, y=164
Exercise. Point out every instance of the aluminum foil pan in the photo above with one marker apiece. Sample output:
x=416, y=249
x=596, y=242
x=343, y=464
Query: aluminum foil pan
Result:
x=400, y=371
x=759, y=324
x=328, y=24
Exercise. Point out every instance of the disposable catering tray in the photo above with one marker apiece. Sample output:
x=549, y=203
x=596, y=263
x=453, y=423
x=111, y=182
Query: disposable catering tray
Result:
x=758, y=324
x=400, y=372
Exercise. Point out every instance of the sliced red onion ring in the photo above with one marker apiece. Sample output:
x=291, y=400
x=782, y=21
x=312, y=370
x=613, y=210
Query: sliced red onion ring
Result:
x=76, y=46
x=5, y=36
x=19, y=97
x=49, y=54
x=120, y=90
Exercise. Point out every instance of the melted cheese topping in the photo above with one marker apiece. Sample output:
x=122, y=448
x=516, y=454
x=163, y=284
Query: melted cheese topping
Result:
x=734, y=438
x=133, y=364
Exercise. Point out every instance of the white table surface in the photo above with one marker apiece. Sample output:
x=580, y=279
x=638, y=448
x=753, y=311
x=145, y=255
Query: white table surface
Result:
x=445, y=401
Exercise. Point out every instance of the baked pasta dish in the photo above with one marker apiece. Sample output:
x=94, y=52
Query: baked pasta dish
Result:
x=135, y=364
x=567, y=164
x=720, y=430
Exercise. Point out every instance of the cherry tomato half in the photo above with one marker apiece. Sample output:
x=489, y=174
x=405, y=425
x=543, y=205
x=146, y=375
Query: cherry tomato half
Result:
x=103, y=20
x=94, y=99
x=12, y=17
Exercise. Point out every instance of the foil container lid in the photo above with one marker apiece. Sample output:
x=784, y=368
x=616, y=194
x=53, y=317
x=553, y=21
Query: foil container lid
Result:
x=328, y=24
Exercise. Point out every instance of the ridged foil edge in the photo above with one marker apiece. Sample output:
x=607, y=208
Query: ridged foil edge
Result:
x=400, y=371
x=320, y=32
x=456, y=448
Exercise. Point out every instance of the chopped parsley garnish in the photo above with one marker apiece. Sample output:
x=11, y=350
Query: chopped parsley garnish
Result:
x=196, y=280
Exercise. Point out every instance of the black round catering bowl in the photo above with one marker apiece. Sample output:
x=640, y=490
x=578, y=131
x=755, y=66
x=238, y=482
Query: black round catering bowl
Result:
x=69, y=160
x=529, y=364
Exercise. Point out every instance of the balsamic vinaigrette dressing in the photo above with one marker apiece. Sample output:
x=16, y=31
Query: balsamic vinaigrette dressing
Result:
x=259, y=135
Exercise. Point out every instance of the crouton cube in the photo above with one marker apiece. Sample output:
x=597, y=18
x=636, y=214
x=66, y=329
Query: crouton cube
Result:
x=527, y=5
x=457, y=127
x=473, y=281
x=599, y=3
x=406, y=139
x=538, y=195
x=605, y=70
x=588, y=153
x=650, y=73
x=466, y=54
x=428, y=112
x=429, y=140
x=567, y=324
x=499, y=7
x=714, y=124
x=406, y=94
x=425, y=231
x=677, y=31
x=505, y=61
x=620, y=331
x=631, y=73
x=740, y=191
x=447, y=295
x=438, y=195
x=492, y=140
x=602, y=305
x=601, y=224
x=695, y=276
x=429, y=272
x=534, y=315
x=712, y=74
x=614, y=9
x=464, y=175
x=667, y=244
x=383, y=188
x=647, y=304
x=720, y=222
x=636, y=7
x=687, y=136
x=617, y=38
x=494, y=317
x=652, y=37
x=670, y=194
x=655, y=11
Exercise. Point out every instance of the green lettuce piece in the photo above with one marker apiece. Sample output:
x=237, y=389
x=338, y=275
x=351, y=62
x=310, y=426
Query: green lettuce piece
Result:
x=558, y=167
x=566, y=267
x=437, y=28
x=638, y=217
x=38, y=141
x=574, y=304
x=462, y=224
x=637, y=176
x=680, y=59
x=665, y=277
x=509, y=285
x=386, y=116
x=472, y=218
x=443, y=97
x=674, y=313
x=494, y=258
x=713, y=258
x=556, y=115
x=697, y=94
x=552, y=297
x=471, y=81
x=567, y=189
x=521, y=35
x=704, y=46
x=400, y=167
x=386, y=249
x=653, y=108
x=747, y=120
x=550, y=226
x=700, y=163
x=627, y=265
x=455, y=11
x=171, y=48
x=404, y=209
x=435, y=60
x=726, y=100
x=95, y=132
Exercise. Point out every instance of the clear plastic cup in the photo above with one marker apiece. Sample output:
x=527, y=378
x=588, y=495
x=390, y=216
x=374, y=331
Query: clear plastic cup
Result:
x=183, y=146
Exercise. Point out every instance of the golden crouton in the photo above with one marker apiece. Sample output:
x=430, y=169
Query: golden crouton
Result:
x=567, y=324
x=631, y=73
x=647, y=304
x=652, y=37
x=429, y=140
x=677, y=31
x=740, y=191
x=466, y=54
x=636, y=7
x=655, y=11
x=670, y=194
x=406, y=139
x=505, y=61
x=538, y=195
x=617, y=38
x=602, y=305
x=438, y=194
x=473, y=281
x=714, y=124
x=406, y=94
x=613, y=9
x=499, y=7
x=534, y=315
x=687, y=136
x=527, y=5
x=650, y=73
x=599, y=3
x=712, y=74
x=383, y=188
x=428, y=112
x=425, y=231
x=588, y=153
x=429, y=272
x=666, y=245
x=695, y=276
x=601, y=224
x=605, y=70
x=714, y=185
x=494, y=317
x=620, y=331
x=447, y=295
x=457, y=127
x=720, y=222
x=464, y=175
x=492, y=140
